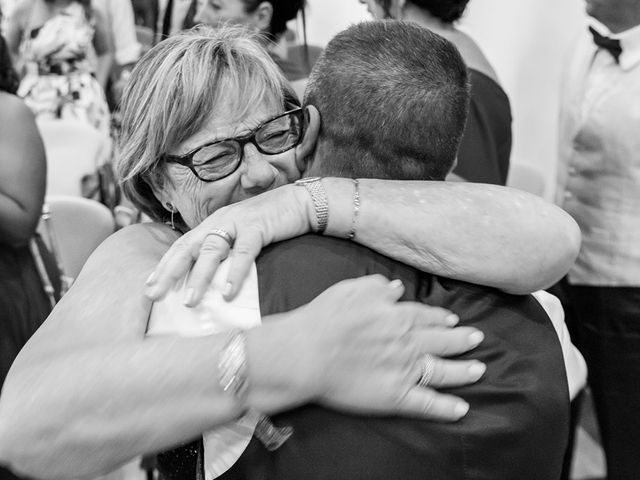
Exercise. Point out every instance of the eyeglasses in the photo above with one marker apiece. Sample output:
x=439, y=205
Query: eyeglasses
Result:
x=219, y=159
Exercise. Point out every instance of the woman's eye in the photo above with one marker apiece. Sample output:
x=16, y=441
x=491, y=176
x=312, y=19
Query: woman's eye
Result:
x=276, y=135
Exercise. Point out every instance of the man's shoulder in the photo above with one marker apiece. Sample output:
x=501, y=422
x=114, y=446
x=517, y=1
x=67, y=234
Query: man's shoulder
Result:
x=294, y=272
x=309, y=252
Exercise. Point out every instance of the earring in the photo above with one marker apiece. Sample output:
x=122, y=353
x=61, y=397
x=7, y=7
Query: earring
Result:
x=169, y=205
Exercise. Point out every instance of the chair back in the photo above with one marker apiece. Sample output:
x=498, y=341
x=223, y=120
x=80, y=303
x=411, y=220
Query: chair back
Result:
x=73, y=227
x=74, y=150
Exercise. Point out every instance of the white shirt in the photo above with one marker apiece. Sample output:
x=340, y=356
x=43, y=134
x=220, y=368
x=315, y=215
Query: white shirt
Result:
x=169, y=316
x=599, y=159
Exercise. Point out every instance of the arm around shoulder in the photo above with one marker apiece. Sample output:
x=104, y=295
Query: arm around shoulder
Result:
x=485, y=234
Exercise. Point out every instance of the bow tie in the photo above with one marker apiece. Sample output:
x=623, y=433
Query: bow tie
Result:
x=611, y=45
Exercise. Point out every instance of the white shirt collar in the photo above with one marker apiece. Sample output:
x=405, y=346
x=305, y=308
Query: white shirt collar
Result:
x=629, y=41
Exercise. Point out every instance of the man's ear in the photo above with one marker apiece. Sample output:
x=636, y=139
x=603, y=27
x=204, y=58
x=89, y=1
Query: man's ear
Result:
x=305, y=149
x=263, y=15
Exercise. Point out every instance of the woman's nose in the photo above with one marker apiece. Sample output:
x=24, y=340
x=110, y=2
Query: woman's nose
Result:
x=258, y=174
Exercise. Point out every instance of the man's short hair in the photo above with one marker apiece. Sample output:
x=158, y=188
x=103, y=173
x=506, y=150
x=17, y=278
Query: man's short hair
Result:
x=393, y=98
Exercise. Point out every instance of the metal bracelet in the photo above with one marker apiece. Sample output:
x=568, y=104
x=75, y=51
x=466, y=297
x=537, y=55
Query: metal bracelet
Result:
x=319, y=199
x=356, y=209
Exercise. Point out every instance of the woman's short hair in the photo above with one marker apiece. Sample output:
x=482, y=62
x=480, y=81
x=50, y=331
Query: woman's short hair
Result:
x=446, y=10
x=283, y=11
x=176, y=88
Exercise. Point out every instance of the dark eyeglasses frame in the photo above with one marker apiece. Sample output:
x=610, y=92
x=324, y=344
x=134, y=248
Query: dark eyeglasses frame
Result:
x=186, y=160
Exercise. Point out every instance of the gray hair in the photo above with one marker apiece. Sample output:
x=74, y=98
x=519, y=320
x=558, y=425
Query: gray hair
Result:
x=176, y=88
x=393, y=98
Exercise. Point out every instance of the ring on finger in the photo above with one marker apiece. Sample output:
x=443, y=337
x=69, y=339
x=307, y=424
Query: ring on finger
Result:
x=223, y=234
x=428, y=369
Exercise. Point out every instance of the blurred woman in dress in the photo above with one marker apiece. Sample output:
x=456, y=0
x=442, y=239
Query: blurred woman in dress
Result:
x=24, y=304
x=64, y=54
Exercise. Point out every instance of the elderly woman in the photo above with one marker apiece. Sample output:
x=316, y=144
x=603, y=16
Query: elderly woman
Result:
x=209, y=121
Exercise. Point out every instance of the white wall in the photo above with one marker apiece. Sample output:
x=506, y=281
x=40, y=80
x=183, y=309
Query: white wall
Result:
x=525, y=40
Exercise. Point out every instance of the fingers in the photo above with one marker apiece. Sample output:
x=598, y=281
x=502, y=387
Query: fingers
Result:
x=428, y=404
x=446, y=342
x=245, y=251
x=374, y=286
x=213, y=251
x=440, y=373
x=173, y=266
x=425, y=316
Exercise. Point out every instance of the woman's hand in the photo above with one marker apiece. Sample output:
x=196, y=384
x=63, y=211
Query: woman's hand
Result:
x=356, y=349
x=252, y=224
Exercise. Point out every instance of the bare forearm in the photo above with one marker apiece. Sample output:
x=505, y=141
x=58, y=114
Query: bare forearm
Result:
x=18, y=224
x=484, y=234
x=147, y=397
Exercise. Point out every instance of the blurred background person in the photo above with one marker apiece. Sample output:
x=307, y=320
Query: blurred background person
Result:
x=270, y=18
x=23, y=302
x=64, y=54
x=486, y=144
x=121, y=26
x=599, y=185
x=170, y=16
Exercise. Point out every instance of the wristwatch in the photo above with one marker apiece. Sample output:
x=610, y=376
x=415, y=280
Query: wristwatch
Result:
x=319, y=199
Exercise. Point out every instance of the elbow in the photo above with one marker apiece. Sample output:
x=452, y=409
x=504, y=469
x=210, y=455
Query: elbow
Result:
x=13, y=448
x=31, y=441
x=572, y=242
x=564, y=251
x=559, y=247
x=17, y=452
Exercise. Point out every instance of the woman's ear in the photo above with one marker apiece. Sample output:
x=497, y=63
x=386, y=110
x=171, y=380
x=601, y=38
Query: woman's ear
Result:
x=263, y=15
x=161, y=189
x=305, y=149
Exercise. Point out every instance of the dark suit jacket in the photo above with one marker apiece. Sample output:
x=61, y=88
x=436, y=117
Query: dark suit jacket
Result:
x=517, y=426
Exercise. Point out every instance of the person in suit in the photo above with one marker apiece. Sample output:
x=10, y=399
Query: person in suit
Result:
x=598, y=184
x=517, y=426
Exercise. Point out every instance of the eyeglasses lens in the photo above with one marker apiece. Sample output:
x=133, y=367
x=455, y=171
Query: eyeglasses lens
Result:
x=279, y=134
x=220, y=159
x=217, y=160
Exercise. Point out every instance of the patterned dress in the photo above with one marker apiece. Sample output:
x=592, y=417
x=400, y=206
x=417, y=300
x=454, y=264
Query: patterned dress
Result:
x=58, y=80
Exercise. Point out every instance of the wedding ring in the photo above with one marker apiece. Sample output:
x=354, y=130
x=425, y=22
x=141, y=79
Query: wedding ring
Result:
x=223, y=234
x=428, y=369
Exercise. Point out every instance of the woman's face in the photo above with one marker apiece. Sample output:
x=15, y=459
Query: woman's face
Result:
x=375, y=9
x=215, y=12
x=196, y=199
